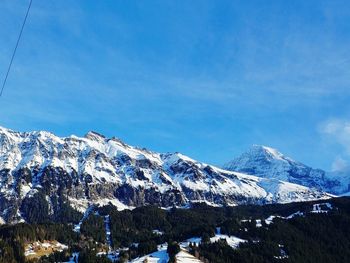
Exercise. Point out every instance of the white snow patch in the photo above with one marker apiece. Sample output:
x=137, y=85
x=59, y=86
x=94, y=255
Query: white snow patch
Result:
x=298, y=213
x=160, y=256
x=185, y=257
x=258, y=223
x=74, y=258
x=232, y=241
x=269, y=220
x=157, y=232
x=317, y=208
x=115, y=202
x=107, y=222
x=30, y=249
x=193, y=240
x=85, y=216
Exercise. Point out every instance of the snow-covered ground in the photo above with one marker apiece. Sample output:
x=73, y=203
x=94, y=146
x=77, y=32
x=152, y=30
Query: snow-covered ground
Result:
x=74, y=258
x=107, y=222
x=258, y=223
x=157, y=232
x=85, y=216
x=38, y=249
x=185, y=257
x=283, y=254
x=232, y=241
x=193, y=240
x=269, y=220
x=321, y=208
x=160, y=256
x=112, y=255
x=298, y=213
x=316, y=208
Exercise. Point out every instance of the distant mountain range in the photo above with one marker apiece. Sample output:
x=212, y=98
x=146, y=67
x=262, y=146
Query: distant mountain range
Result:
x=267, y=162
x=43, y=170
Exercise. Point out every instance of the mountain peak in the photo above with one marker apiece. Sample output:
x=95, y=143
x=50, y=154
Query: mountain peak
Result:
x=95, y=136
x=3, y=128
x=267, y=162
x=267, y=151
x=255, y=157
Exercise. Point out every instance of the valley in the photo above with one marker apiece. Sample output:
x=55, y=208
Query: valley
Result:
x=247, y=233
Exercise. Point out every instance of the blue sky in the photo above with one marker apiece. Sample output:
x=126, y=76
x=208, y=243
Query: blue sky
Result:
x=206, y=78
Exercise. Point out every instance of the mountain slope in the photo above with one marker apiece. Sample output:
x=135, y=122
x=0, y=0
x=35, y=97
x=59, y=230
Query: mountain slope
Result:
x=41, y=170
x=267, y=162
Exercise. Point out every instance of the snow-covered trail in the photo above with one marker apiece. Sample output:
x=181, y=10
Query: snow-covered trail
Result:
x=85, y=216
x=74, y=258
x=112, y=255
x=107, y=222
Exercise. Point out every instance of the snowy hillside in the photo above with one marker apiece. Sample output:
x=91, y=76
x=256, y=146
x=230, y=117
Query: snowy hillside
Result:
x=97, y=170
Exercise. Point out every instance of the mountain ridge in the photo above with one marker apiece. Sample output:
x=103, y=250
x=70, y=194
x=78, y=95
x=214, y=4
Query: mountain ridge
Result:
x=40, y=167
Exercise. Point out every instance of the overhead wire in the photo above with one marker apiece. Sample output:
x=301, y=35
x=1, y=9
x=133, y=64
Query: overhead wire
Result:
x=14, y=51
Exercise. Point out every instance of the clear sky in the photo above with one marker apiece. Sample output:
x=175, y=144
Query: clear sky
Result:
x=206, y=78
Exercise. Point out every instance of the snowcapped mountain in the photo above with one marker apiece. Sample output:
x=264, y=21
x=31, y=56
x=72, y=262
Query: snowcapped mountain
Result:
x=97, y=170
x=267, y=162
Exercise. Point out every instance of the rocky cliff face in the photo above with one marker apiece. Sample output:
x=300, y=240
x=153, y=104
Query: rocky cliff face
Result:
x=45, y=171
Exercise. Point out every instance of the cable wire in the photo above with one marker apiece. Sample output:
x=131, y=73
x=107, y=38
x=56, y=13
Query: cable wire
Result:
x=14, y=52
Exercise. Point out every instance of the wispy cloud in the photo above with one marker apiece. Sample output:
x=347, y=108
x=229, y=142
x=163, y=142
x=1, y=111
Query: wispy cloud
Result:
x=339, y=130
x=340, y=165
